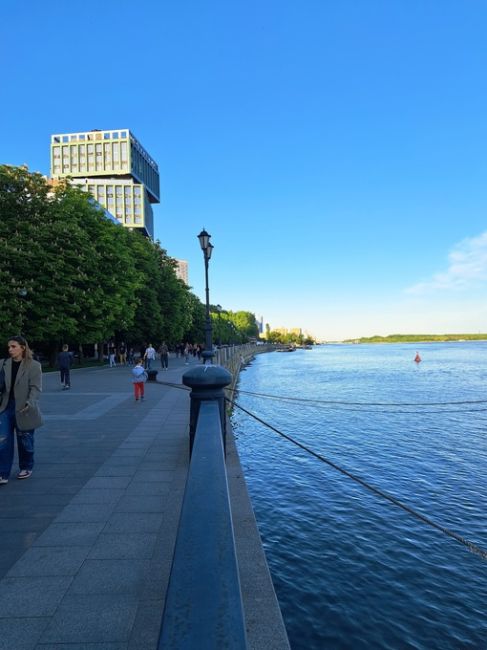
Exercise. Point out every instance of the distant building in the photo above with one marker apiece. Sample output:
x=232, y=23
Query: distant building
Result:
x=182, y=271
x=115, y=169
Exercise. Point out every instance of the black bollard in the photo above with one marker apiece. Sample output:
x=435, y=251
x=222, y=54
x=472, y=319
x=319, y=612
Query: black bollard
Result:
x=207, y=383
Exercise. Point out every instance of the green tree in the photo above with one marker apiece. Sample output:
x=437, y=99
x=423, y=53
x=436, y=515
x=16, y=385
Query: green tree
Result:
x=174, y=300
x=73, y=263
x=246, y=324
x=195, y=332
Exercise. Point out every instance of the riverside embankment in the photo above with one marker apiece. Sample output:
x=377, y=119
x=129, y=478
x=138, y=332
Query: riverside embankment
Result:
x=87, y=541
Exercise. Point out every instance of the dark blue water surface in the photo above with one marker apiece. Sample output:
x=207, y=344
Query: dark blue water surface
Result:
x=350, y=569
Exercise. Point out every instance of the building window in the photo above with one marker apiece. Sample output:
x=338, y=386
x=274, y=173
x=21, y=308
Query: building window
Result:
x=115, y=135
x=82, y=136
x=106, y=136
x=123, y=134
x=65, y=138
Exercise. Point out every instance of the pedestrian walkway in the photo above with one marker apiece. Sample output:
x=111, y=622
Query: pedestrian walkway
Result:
x=87, y=541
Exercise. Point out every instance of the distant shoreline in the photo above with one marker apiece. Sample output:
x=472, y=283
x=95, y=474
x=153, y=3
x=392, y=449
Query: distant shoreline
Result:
x=419, y=338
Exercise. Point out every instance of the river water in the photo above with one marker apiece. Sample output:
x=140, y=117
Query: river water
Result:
x=351, y=570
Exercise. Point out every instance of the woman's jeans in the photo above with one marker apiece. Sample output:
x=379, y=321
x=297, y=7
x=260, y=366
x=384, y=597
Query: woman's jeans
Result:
x=25, y=442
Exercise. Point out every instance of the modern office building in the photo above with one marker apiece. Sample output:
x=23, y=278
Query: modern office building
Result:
x=114, y=168
x=182, y=271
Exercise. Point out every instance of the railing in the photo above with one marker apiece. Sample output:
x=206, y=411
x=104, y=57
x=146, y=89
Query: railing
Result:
x=203, y=606
x=236, y=356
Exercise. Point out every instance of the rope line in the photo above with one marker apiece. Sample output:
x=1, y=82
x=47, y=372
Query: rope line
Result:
x=173, y=385
x=343, y=403
x=473, y=548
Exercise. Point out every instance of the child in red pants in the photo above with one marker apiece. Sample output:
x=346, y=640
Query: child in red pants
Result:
x=139, y=377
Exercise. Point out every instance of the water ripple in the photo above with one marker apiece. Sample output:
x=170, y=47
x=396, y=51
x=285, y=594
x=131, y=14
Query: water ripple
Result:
x=352, y=571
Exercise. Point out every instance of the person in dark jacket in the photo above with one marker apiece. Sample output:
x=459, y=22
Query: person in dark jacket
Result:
x=64, y=363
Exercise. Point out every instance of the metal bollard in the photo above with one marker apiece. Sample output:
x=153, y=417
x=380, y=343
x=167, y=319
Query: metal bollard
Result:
x=207, y=383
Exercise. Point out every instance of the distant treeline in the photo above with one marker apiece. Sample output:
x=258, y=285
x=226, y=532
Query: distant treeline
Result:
x=419, y=338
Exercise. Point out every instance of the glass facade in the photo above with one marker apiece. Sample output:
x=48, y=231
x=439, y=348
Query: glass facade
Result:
x=116, y=170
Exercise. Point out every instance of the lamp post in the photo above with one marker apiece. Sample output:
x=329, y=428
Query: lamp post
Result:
x=207, y=248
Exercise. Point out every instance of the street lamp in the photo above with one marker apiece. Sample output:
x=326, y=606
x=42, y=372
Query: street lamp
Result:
x=207, y=248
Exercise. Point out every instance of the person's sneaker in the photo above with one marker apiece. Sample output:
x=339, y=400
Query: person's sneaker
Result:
x=142, y=398
x=3, y=481
x=24, y=473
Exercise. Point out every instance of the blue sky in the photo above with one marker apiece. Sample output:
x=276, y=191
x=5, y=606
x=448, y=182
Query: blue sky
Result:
x=334, y=150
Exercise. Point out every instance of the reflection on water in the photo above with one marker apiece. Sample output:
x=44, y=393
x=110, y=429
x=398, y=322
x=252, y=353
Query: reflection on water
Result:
x=350, y=569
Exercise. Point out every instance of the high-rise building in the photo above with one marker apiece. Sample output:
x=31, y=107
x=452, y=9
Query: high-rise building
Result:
x=114, y=168
x=182, y=271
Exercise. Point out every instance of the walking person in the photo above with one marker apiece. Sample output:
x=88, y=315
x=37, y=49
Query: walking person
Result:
x=143, y=348
x=187, y=352
x=64, y=362
x=164, y=352
x=122, y=354
x=150, y=356
x=139, y=377
x=111, y=356
x=19, y=408
x=131, y=357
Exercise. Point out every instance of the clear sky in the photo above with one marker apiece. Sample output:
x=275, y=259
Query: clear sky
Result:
x=335, y=150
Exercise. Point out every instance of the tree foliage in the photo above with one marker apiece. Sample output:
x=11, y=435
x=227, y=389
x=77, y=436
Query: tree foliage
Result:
x=68, y=274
